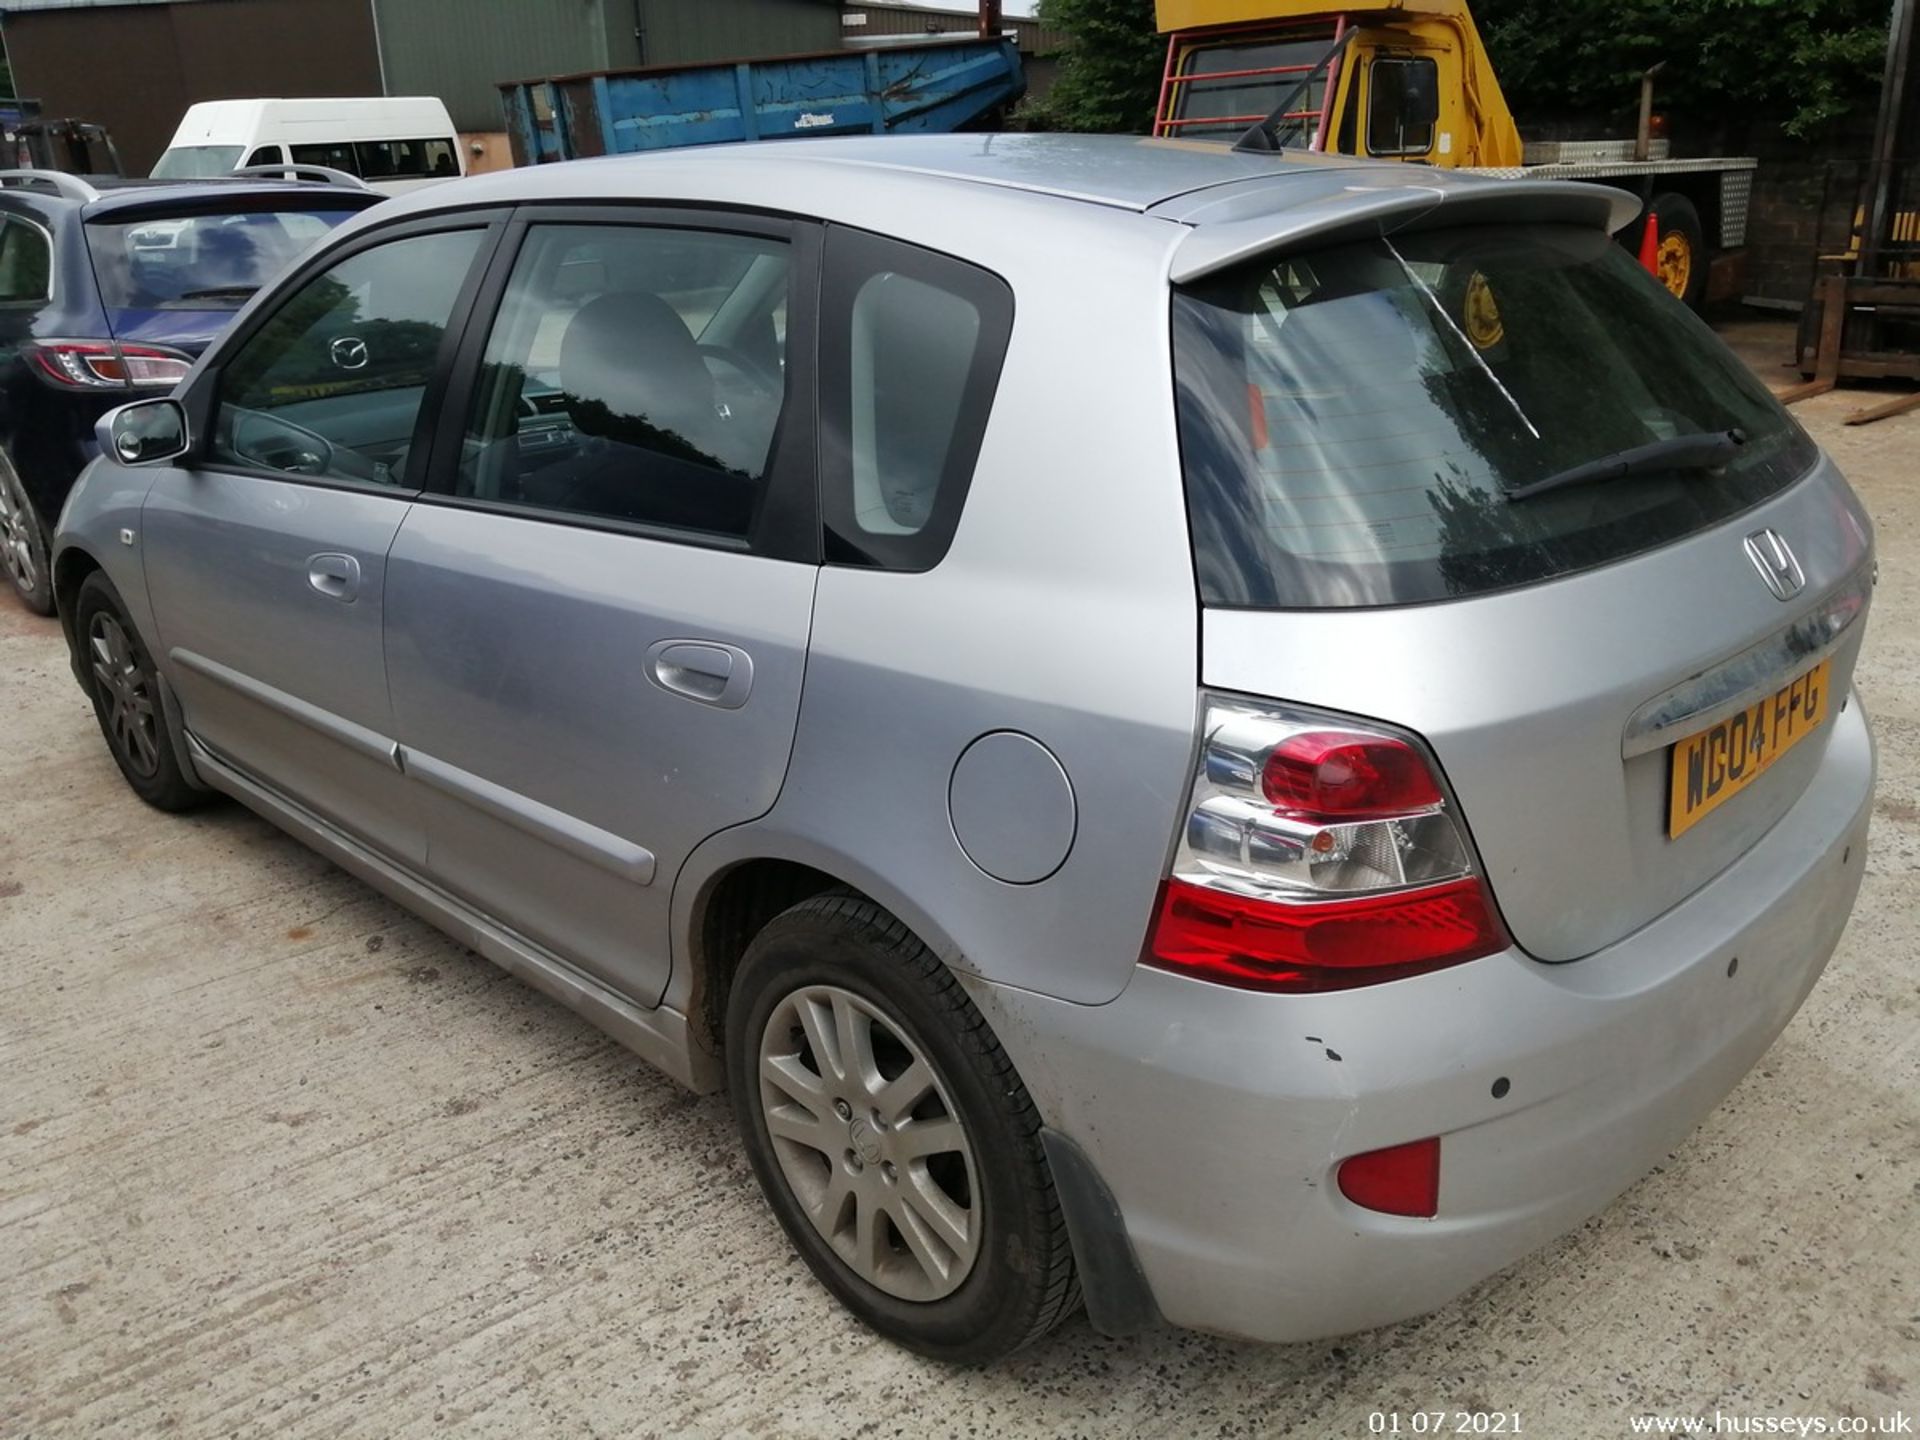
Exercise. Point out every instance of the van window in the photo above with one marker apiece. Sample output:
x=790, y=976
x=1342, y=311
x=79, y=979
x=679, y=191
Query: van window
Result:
x=1353, y=420
x=267, y=155
x=338, y=156
x=196, y=162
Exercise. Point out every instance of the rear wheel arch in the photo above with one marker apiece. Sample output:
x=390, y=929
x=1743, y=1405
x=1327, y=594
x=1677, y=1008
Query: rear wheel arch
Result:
x=738, y=881
x=731, y=908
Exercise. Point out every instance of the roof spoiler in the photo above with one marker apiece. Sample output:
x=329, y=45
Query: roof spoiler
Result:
x=1370, y=204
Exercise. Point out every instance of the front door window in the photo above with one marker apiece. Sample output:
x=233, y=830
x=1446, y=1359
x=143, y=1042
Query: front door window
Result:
x=331, y=385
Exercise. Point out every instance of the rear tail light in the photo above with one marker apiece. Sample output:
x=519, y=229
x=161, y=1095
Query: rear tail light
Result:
x=1317, y=856
x=108, y=365
x=1402, y=1180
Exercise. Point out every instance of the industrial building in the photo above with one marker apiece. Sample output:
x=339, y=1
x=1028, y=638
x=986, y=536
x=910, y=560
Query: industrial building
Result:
x=135, y=65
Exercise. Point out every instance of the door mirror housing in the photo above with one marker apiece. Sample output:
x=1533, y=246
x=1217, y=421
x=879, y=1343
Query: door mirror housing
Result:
x=146, y=432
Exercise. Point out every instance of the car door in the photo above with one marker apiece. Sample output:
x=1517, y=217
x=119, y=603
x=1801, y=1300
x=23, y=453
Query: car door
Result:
x=597, y=627
x=266, y=549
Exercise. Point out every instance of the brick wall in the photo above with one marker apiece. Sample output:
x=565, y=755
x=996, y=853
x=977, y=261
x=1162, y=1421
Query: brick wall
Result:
x=1804, y=195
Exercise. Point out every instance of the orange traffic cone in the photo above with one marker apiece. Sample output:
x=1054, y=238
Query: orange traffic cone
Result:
x=1650, y=244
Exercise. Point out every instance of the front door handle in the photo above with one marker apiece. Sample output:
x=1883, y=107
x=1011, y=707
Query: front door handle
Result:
x=335, y=576
x=703, y=670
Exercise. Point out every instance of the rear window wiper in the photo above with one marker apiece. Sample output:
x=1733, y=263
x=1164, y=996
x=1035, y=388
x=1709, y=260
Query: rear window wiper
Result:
x=217, y=292
x=1708, y=451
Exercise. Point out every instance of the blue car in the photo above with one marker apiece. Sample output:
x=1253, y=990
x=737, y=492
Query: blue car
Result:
x=108, y=290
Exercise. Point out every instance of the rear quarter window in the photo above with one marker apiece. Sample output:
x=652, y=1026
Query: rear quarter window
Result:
x=1353, y=419
x=912, y=343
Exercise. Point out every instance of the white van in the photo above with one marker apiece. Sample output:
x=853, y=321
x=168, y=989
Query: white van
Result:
x=394, y=143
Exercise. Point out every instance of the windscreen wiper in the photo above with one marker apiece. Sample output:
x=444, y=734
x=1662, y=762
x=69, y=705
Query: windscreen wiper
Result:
x=1707, y=451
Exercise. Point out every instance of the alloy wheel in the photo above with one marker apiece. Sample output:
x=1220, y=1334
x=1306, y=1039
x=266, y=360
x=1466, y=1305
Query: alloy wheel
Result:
x=123, y=688
x=869, y=1143
x=16, y=531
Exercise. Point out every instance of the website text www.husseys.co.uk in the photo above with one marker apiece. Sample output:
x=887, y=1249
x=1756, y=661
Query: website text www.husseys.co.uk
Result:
x=1722, y=1422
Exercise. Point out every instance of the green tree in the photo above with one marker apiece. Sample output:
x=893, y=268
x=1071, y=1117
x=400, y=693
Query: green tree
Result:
x=1110, y=76
x=1792, y=65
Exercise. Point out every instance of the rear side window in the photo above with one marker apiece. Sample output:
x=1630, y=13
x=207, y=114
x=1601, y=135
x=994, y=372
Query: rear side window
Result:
x=911, y=351
x=1353, y=419
x=634, y=373
x=26, y=264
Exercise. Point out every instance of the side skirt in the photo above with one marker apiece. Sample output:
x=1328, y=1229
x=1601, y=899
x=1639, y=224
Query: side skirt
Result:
x=661, y=1037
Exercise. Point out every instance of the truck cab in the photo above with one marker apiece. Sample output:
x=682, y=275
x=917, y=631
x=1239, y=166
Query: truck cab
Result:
x=1411, y=80
x=1406, y=81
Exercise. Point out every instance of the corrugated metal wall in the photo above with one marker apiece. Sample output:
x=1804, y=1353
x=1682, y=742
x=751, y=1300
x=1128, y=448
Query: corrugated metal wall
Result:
x=683, y=31
x=461, y=51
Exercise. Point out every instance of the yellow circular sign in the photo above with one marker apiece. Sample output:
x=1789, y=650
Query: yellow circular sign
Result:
x=1481, y=314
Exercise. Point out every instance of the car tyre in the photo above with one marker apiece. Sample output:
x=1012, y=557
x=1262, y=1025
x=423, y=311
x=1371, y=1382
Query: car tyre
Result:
x=23, y=542
x=892, y=1136
x=125, y=689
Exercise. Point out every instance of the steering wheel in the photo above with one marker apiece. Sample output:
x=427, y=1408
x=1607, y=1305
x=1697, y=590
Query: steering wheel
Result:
x=769, y=383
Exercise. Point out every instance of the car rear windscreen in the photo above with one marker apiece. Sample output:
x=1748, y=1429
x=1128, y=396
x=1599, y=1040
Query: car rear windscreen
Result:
x=200, y=261
x=1354, y=420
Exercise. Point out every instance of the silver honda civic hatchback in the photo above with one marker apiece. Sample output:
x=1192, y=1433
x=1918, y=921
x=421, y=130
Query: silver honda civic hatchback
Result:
x=1237, y=739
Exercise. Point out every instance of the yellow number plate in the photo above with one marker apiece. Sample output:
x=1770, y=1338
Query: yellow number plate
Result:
x=1718, y=763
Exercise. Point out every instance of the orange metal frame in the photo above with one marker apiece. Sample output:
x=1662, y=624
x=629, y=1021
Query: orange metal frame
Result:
x=1170, y=79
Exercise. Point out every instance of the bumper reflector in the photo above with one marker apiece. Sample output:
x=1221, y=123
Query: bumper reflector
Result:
x=1400, y=1180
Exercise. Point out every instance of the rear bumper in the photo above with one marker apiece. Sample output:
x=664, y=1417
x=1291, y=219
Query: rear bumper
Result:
x=1216, y=1118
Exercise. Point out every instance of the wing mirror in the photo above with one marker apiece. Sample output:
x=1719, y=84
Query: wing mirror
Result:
x=146, y=432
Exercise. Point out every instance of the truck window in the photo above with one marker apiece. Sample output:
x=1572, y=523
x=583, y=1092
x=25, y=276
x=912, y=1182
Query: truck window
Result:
x=1253, y=77
x=1353, y=419
x=1390, y=128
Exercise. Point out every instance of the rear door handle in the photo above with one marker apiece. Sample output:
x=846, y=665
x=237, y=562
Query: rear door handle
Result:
x=703, y=670
x=335, y=576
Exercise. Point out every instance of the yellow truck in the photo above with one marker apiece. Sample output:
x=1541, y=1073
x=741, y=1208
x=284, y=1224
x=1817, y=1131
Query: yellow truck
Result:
x=1410, y=80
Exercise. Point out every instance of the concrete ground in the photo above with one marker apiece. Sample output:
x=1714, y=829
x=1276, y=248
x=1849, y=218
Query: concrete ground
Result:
x=276, y=1158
